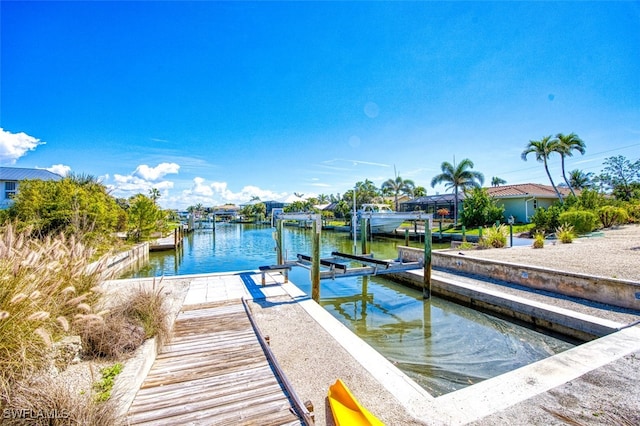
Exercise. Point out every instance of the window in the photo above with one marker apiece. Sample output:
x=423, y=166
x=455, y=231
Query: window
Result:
x=535, y=204
x=9, y=190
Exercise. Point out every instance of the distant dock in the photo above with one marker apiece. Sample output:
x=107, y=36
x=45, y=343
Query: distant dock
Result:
x=170, y=242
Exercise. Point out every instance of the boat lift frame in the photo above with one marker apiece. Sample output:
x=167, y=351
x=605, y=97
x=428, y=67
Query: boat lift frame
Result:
x=370, y=266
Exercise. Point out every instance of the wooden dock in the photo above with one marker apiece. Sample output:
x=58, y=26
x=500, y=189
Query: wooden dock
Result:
x=170, y=242
x=214, y=371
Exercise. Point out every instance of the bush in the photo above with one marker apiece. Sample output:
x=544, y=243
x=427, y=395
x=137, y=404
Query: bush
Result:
x=495, y=237
x=546, y=220
x=612, y=215
x=583, y=221
x=128, y=323
x=47, y=288
x=480, y=209
x=565, y=234
x=147, y=308
x=633, y=209
x=538, y=240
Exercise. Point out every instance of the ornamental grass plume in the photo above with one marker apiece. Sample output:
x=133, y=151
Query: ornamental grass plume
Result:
x=495, y=237
x=39, y=281
x=137, y=315
x=38, y=401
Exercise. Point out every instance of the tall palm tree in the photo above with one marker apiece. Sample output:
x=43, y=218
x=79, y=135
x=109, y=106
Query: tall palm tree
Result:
x=458, y=177
x=542, y=149
x=565, y=144
x=496, y=181
x=396, y=187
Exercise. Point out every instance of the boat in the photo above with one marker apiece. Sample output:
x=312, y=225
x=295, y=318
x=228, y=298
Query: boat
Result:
x=382, y=220
x=346, y=409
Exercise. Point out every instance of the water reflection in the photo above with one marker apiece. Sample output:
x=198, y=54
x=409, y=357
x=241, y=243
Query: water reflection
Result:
x=441, y=345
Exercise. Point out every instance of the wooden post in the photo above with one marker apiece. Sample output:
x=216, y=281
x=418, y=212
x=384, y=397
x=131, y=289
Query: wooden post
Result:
x=279, y=248
x=176, y=239
x=363, y=235
x=426, y=286
x=464, y=236
x=406, y=237
x=315, y=263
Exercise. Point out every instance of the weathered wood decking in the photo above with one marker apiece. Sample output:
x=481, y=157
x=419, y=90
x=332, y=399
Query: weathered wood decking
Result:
x=213, y=372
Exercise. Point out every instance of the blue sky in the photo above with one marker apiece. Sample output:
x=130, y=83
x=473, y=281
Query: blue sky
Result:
x=216, y=102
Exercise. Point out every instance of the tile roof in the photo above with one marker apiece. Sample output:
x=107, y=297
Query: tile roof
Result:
x=525, y=189
x=18, y=174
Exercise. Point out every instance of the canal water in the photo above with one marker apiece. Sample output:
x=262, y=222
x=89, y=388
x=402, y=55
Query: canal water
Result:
x=441, y=345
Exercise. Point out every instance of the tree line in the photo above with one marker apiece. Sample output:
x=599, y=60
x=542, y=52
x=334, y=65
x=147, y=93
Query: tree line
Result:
x=81, y=205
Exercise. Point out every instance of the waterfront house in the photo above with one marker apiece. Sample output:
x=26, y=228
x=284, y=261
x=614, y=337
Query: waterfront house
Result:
x=10, y=178
x=519, y=201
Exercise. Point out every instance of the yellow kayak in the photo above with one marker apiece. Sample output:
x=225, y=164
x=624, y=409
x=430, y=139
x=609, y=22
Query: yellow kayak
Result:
x=346, y=409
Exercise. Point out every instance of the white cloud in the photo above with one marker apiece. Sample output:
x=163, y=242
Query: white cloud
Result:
x=143, y=179
x=60, y=169
x=155, y=173
x=200, y=188
x=15, y=145
x=134, y=183
x=218, y=193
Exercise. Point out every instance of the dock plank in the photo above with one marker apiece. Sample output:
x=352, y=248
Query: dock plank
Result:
x=214, y=371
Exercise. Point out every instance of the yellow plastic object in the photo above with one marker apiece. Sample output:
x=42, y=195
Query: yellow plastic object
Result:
x=346, y=409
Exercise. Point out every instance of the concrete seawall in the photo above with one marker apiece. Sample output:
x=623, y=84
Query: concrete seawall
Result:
x=611, y=291
x=115, y=265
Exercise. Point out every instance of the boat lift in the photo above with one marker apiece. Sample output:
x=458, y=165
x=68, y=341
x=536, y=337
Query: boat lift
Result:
x=335, y=266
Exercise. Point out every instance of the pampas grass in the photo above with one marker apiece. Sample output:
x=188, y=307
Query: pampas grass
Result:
x=39, y=280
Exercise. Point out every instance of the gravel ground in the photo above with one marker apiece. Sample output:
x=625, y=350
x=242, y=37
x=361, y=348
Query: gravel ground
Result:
x=616, y=254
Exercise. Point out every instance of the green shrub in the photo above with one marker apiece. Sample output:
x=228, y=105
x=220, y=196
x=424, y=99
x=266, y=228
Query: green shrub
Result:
x=495, y=237
x=565, y=234
x=538, y=240
x=633, y=209
x=546, y=220
x=612, y=215
x=583, y=221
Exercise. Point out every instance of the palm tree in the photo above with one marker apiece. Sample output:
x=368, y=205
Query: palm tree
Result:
x=154, y=194
x=542, y=149
x=398, y=186
x=459, y=178
x=419, y=191
x=496, y=181
x=565, y=144
x=579, y=179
